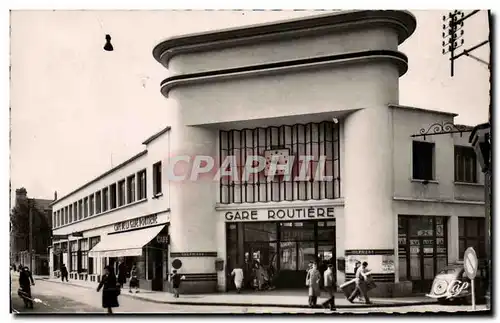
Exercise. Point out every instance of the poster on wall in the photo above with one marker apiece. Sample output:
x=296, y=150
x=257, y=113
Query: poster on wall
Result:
x=378, y=264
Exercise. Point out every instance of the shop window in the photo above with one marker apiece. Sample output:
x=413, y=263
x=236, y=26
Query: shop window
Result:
x=105, y=199
x=91, y=204
x=98, y=202
x=465, y=165
x=92, y=264
x=290, y=142
x=121, y=193
x=157, y=178
x=423, y=160
x=112, y=196
x=260, y=231
x=84, y=255
x=131, y=189
x=74, y=256
x=471, y=234
x=326, y=231
x=297, y=231
x=141, y=194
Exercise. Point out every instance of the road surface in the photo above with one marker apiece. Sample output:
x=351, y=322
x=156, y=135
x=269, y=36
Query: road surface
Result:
x=60, y=298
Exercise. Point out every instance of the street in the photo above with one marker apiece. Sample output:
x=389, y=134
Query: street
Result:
x=60, y=298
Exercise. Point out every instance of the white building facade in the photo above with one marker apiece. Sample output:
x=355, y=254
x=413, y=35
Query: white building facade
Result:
x=324, y=86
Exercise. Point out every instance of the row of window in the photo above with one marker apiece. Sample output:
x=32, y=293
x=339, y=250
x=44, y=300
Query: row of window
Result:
x=423, y=162
x=125, y=191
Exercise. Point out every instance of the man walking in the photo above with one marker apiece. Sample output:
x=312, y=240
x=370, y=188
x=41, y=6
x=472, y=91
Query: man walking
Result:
x=361, y=276
x=330, y=286
x=25, y=282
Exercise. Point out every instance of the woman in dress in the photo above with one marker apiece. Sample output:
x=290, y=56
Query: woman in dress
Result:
x=110, y=290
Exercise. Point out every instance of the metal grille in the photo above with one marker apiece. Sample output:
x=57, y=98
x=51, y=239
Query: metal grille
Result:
x=313, y=139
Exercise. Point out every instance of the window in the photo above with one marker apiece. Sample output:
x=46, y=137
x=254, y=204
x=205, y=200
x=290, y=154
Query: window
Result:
x=142, y=185
x=84, y=252
x=54, y=217
x=112, y=197
x=157, y=178
x=66, y=214
x=131, y=189
x=471, y=234
x=71, y=213
x=319, y=140
x=86, y=207
x=105, y=199
x=73, y=265
x=91, y=204
x=97, y=202
x=75, y=210
x=121, y=193
x=423, y=160
x=465, y=165
x=80, y=210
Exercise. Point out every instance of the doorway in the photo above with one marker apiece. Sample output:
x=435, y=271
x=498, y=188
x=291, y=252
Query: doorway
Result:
x=423, y=249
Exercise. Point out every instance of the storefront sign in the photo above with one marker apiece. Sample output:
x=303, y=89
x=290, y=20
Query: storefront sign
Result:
x=280, y=214
x=143, y=221
x=163, y=239
x=193, y=254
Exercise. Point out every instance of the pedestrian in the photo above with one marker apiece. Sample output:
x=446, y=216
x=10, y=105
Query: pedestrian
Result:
x=176, y=282
x=122, y=273
x=64, y=273
x=313, y=280
x=237, y=273
x=134, y=279
x=110, y=289
x=25, y=282
x=330, y=284
x=360, y=280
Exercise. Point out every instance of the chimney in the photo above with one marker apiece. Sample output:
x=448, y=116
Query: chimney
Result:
x=55, y=196
x=21, y=194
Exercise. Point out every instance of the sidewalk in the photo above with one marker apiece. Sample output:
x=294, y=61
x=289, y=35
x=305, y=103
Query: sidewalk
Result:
x=275, y=298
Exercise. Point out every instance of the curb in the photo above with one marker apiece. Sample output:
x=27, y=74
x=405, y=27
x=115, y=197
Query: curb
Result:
x=379, y=305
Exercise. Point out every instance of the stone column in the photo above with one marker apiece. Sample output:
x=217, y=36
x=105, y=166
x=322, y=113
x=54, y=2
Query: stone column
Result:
x=192, y=201
x=368, y=184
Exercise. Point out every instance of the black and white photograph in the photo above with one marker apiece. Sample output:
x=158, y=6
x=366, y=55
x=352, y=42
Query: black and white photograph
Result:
x=334, y=162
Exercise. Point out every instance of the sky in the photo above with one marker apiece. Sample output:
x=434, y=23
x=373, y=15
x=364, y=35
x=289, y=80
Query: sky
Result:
x=77, y=110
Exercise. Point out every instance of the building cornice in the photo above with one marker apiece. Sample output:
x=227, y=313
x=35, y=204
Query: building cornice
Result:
x=412, y=199
x=396, y=57
x=277, y=205
x=406, y=107
x=403, y=21
x=156, y=135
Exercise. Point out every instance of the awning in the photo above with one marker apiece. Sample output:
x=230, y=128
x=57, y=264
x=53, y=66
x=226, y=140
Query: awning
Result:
x=126, y=244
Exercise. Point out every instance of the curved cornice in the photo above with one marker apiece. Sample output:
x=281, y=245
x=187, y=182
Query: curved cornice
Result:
x=403, y=21
x=396, y=57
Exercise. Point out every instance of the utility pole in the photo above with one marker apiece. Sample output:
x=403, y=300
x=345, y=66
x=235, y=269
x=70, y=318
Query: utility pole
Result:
x=31, y=233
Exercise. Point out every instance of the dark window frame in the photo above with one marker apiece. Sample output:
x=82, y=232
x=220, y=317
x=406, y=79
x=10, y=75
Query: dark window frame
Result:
x=113, y=198
x=465, y=157
x=478, y=239
x=105, y=199
x=423, y=169
x=157, y=178
x=122, y=197
x=142, y=184
x=98, y=199
x=131, y=188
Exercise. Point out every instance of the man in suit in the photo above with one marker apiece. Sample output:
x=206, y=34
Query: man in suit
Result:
x=330, y=286
x=361, y=276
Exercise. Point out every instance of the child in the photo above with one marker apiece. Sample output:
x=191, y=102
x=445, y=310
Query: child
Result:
x=176, y=282
x=134, y=281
